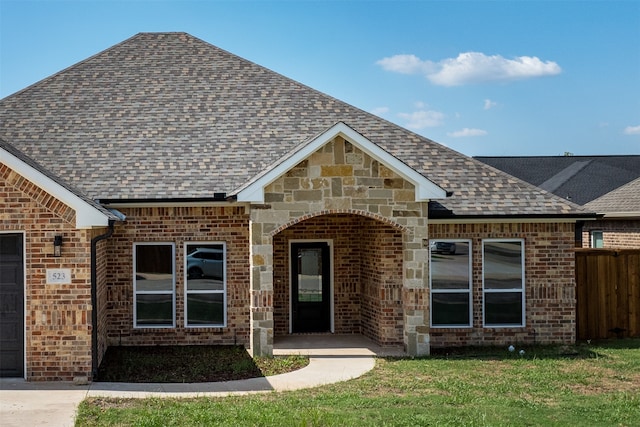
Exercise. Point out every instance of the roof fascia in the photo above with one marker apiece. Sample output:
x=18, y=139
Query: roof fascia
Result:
x=424, y=188
x=87, y=216
x=512, y=220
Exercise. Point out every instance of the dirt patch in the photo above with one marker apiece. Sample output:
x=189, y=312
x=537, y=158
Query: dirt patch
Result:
x=190, y=364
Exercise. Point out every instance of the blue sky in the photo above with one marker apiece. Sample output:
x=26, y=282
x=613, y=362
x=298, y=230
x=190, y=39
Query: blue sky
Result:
x=482, y=77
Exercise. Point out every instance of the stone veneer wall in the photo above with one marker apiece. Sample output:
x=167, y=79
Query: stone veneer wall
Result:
x=617, y=234
x=367, y=281
x=549, y=288
x=178, y=225
x=340, y=179
x=58, y=317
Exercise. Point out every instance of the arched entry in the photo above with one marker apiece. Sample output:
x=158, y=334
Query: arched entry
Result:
x=363, y=293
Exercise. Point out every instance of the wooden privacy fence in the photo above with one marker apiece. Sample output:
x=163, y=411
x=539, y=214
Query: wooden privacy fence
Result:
x=607, y=293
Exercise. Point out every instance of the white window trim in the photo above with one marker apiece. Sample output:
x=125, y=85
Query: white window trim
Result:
x=521, y=290
x=456, y=291
x=173, y=287
x=223, y=291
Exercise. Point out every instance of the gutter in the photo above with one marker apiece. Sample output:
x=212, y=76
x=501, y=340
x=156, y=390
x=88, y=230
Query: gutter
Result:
x=94, y=298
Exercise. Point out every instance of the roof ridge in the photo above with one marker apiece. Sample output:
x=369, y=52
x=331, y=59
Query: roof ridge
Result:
x=557, y=180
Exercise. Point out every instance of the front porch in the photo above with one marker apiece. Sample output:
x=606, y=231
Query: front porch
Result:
x=328, y=345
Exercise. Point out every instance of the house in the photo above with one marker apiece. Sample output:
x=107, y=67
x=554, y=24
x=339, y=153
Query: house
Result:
x=601, y=184
x=166, y=192
x=619, y=226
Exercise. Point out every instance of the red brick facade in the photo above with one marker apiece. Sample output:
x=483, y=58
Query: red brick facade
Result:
x=367, y=281
x=549, y=284
x=179, y=226
x=617, y=234
x=369, y=296
x=58, y=317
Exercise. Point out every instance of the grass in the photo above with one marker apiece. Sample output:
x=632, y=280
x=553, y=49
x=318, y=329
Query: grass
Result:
x=595, y=385
x=190, y=364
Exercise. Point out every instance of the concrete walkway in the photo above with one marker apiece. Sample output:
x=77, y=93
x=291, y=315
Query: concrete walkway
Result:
x=331, y=359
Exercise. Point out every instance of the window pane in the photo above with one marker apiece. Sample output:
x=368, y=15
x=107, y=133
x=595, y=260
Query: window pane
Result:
x=310, y=275
x=154, y=268
x=154, y=309
x=450, y=309
x=449, y=271
x=597, y=240
x=205, y=267
x=205, y=309
x=503, y=265
x=503, y=308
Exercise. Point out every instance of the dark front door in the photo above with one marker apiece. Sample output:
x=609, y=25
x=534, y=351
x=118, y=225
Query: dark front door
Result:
x=311, y=287
x=11, y=306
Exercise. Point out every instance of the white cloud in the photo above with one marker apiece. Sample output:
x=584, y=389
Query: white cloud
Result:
x=467, y=132
x=471, y=67
x=406, y=64
x=422, y=119
x=489, y=104
x=632, y=130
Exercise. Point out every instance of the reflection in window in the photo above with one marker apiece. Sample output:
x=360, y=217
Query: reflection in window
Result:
x=154, y=285
x=205, y=268
x=450, y=274
x=310, y=275
x=503, y=282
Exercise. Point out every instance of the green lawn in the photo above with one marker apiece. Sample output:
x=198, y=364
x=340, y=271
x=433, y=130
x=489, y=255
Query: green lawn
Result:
x=596, y=385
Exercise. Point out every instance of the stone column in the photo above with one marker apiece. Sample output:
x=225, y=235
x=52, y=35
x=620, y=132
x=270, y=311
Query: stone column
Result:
x=415, y=291
x=261, y=264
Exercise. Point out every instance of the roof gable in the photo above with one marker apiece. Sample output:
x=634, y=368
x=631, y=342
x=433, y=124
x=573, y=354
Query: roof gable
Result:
x=621, y=202
x=88, y=213
x=254, y=190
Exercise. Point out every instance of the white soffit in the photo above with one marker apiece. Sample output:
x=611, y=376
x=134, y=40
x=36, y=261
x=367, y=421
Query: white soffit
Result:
x=425, y=189
x=87, y=216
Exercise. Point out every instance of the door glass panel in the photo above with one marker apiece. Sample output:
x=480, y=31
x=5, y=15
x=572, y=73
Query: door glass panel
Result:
x=310, y=275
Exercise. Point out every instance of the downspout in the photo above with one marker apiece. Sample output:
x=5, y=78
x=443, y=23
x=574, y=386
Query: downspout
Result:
x=94, y=298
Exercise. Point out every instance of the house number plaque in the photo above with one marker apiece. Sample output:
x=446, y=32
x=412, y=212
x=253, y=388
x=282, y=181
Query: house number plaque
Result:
x=58, y=276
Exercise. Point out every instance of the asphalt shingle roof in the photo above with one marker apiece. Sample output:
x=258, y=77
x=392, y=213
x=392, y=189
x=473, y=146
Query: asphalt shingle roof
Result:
x=580, y=179
x=625, y=199
x=166, y=115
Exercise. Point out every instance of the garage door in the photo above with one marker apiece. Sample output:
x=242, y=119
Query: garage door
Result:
x=11, y=306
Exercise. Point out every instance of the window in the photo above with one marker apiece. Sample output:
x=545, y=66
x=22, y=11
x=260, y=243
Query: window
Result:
x=450, y=276
x=597, y=239
x=205, y=267
x=154, y=285
x=503, y=282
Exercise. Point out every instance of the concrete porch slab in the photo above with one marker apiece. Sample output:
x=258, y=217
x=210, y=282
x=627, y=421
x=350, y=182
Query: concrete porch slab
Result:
x=332, y=345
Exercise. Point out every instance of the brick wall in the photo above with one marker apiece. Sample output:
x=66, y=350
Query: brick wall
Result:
x=617, y=234
x=178, y=225
x=58, y=317
x=367, y=282
x=549, y=287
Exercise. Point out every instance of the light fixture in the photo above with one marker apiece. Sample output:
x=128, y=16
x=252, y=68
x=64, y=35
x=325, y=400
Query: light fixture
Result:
x=57, y=246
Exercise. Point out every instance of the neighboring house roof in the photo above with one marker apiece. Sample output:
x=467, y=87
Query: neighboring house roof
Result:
x=88, y=212
x=167, y=116
x=622, y=202
x=580, y=179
